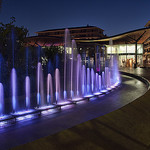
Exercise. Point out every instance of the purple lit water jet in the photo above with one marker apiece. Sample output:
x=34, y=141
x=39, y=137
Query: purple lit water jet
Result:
x=27, y=87
x=115, y=76
x=96, y=82
x=14, y=88
x=88, y=81
x=100, y=83
x=76, y=82
x=83, y=80
x=103, y=80
x=49, y=89
x=92, y=79
x=67, y=48
x=57, y=85
x=1, y=99
x=40, y=86
x=78, y=77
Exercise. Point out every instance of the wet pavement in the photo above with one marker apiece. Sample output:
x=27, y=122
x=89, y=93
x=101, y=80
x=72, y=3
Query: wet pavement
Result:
x=27, y=131
x=144, y=72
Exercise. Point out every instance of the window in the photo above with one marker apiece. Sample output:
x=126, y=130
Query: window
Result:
x=124, y=48
x=130, y=48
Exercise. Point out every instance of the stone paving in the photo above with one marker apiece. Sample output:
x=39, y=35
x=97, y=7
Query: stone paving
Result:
x=127, y=128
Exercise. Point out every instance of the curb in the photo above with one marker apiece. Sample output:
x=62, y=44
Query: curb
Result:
x=144, y=80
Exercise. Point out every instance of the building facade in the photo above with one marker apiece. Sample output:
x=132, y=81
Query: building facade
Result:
x=56, y=36
x=126, y=54
x=132, y=48
x=146, y=55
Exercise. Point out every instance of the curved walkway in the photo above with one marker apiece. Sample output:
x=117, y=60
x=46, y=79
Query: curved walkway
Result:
x=126, y=128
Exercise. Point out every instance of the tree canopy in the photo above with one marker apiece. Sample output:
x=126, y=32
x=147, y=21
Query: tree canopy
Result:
x=6, y=31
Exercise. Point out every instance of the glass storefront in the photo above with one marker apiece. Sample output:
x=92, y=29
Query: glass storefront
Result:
x=126, y=54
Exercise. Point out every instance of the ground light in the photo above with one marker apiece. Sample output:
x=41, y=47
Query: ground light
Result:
x=26, y=114
x=7, y=120
x=97, y=93
x=46, y=110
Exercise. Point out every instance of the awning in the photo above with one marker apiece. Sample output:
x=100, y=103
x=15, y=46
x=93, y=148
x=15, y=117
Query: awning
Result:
x=140, y=36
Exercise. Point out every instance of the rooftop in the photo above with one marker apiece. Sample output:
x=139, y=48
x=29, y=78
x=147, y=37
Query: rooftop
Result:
x=139, y=35
x=70, y=28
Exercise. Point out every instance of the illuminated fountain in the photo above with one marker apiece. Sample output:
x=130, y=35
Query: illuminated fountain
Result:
x=66, y=86
x=79, y=81
x=27, y=83
x=40, y=86
x=13, y=76
x=3, y=116
x=115, y=76
x=78, y=77
x=100, y=83
x=57, y=85
x=59, y=99
x=1, y=99
x=41, y=105
x=74, y=69
x=88, y=87
x=96, y=84
x=26, y=113
x=49, y=90
x=67, y=49
x=14, y=89
x=92, y=79
x=1, y=91
x=27, y=87
x=83, y=80
x=103, y=83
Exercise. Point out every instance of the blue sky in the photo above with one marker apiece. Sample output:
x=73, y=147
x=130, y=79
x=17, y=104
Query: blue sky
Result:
x=114, y=17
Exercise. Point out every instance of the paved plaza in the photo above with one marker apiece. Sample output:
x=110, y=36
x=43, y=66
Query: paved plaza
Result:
x=79, y=122
x=125, y=128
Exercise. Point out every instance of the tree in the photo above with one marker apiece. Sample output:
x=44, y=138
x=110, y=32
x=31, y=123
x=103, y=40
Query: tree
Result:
x=50, y=52
x=12, y=36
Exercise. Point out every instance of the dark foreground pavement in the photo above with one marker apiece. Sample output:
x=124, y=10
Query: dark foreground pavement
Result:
x=125, y=128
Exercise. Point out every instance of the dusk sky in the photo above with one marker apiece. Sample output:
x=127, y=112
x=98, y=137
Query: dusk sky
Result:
x=114, y=16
